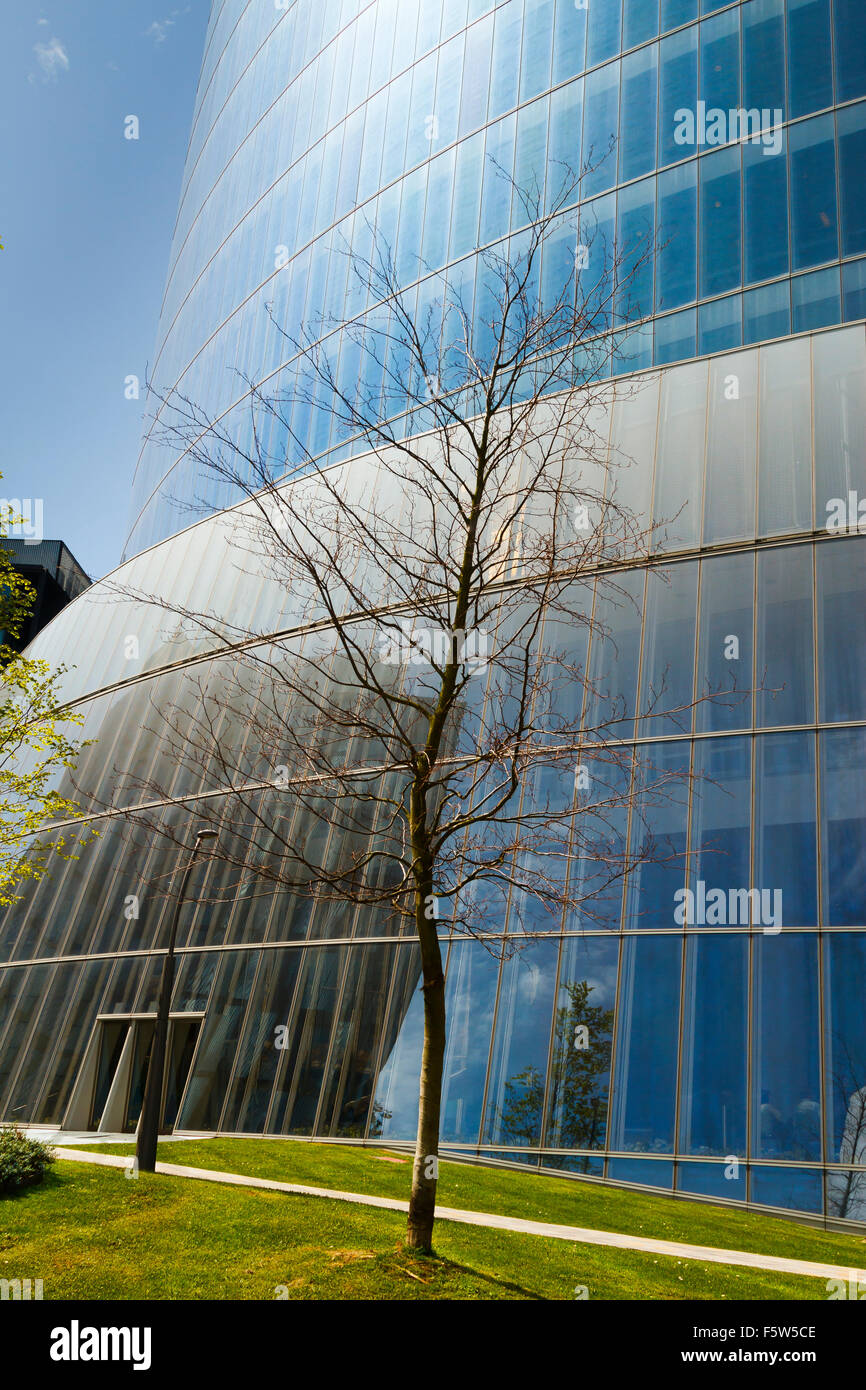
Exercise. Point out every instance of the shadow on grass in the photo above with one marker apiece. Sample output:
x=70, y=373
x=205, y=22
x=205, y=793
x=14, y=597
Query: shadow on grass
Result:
x=478, y=1274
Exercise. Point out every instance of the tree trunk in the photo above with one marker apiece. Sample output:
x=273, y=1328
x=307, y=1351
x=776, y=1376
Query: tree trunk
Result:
x=422, y=1203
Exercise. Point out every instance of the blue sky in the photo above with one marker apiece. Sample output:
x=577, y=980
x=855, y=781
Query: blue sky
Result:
x=86, y=218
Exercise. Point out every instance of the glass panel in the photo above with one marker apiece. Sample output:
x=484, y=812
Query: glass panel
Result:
x=764, y=55
x=602, y=31
x=713, y=1180
x=635, y=249
x=600, y=114
x=637, y=117
x=729, y=503
x=646, y=1047
x=641, y=1170
x=844, y=985
x=816, y=300
x=793, y=1189
x=667, y=669
x=851, y=124
x=767, y=313
x=854, y=290
x=676, y=272
x=613, y=660
x=640, y=21
x=810, y=77
x=726, y=643
x=786, y=1084
x=720, y=62
x=471, y=997
x=395, y=1108
x=785, y=840
x=569, y=40
x=537, y=40
x=715, y=1050
x=583, y=1033
x=674, y=338
x=678, y=500
x=720, y=324
x=843, y=770
x=850, y=49
x=720, y=222
x=721, y=826
x=839, y=361
x=842, y=631
x=813, y=192
x=765, y=209
x=515, y=1101
x=678, y=94
x=785, y=665
x=785, y=440
x=659, y=824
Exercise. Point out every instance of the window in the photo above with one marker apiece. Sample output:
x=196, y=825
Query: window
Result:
x=677, y=221
x=720, y=222
x=813, y=191
x=810, y=77
x=785, y=664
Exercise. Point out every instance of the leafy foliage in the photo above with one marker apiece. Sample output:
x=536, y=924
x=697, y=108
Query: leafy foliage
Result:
x=23, y=1162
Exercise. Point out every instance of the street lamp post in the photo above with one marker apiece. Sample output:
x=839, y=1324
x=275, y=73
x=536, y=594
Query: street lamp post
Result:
x=148, y=1129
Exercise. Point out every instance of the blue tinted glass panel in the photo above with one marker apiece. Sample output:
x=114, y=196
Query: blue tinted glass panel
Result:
x=635, y=247
x=794, y=1189
x=765, y=208
x=713, y=1109
x=677, y=224
x=646, y=1053
x=786, y=1087
x=813, y=191
x=676, y=12
x=600, y=112
x=641, y=1170
x=810, y=57
x=785, y=838
x=720, y=222
x=712, y=1180
x=537, y=45
x=471, y=996
x=515, y=1100
x=851, y=126
x=721, y=830
x=785, y=665
x=767, y=312
x=720, y=324
x=658, y=837
x=843, y=771
x=845, y=1059
x=674, y=338
x=563, y=144
x=665, y=702
x=816, y=300
x=764, y=54
x=569, y=40
x=850, y=49
x=640, y=21
x=854, y=290
x=602, y=31
x=505, y=71
x=580, y=1062
x=678, y=91
x=720, y=61
x=637, y=117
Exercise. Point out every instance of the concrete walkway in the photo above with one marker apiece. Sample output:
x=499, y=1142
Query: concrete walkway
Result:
x=707, y=1253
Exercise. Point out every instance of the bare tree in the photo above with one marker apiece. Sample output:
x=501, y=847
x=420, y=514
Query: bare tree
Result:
x=423, y=739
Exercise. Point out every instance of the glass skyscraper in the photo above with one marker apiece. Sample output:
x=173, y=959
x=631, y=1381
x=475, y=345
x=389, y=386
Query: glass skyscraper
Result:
x=730, y=1059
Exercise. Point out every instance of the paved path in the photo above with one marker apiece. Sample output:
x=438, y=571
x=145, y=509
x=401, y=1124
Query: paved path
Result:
x=707, y=1253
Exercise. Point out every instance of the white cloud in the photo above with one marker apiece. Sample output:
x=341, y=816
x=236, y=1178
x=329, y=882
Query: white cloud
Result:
x=159, y=29
x=52, y=59
x=42, y=21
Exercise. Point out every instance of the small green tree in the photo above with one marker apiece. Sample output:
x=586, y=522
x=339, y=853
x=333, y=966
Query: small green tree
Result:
x=35, y=745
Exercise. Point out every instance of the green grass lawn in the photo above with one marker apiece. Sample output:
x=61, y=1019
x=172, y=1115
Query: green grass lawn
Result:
x=91, y=1232
x=534, y=1196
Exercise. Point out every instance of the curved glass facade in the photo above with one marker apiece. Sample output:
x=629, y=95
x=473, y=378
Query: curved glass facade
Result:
x=732, y=135
x=724, y=1027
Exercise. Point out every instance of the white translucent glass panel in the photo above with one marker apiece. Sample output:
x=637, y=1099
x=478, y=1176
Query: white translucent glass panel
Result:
x=679, y=473
x=726, y=645
x=633, y=442
x=785, y=439
x=729, y=502
x=839, y=373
